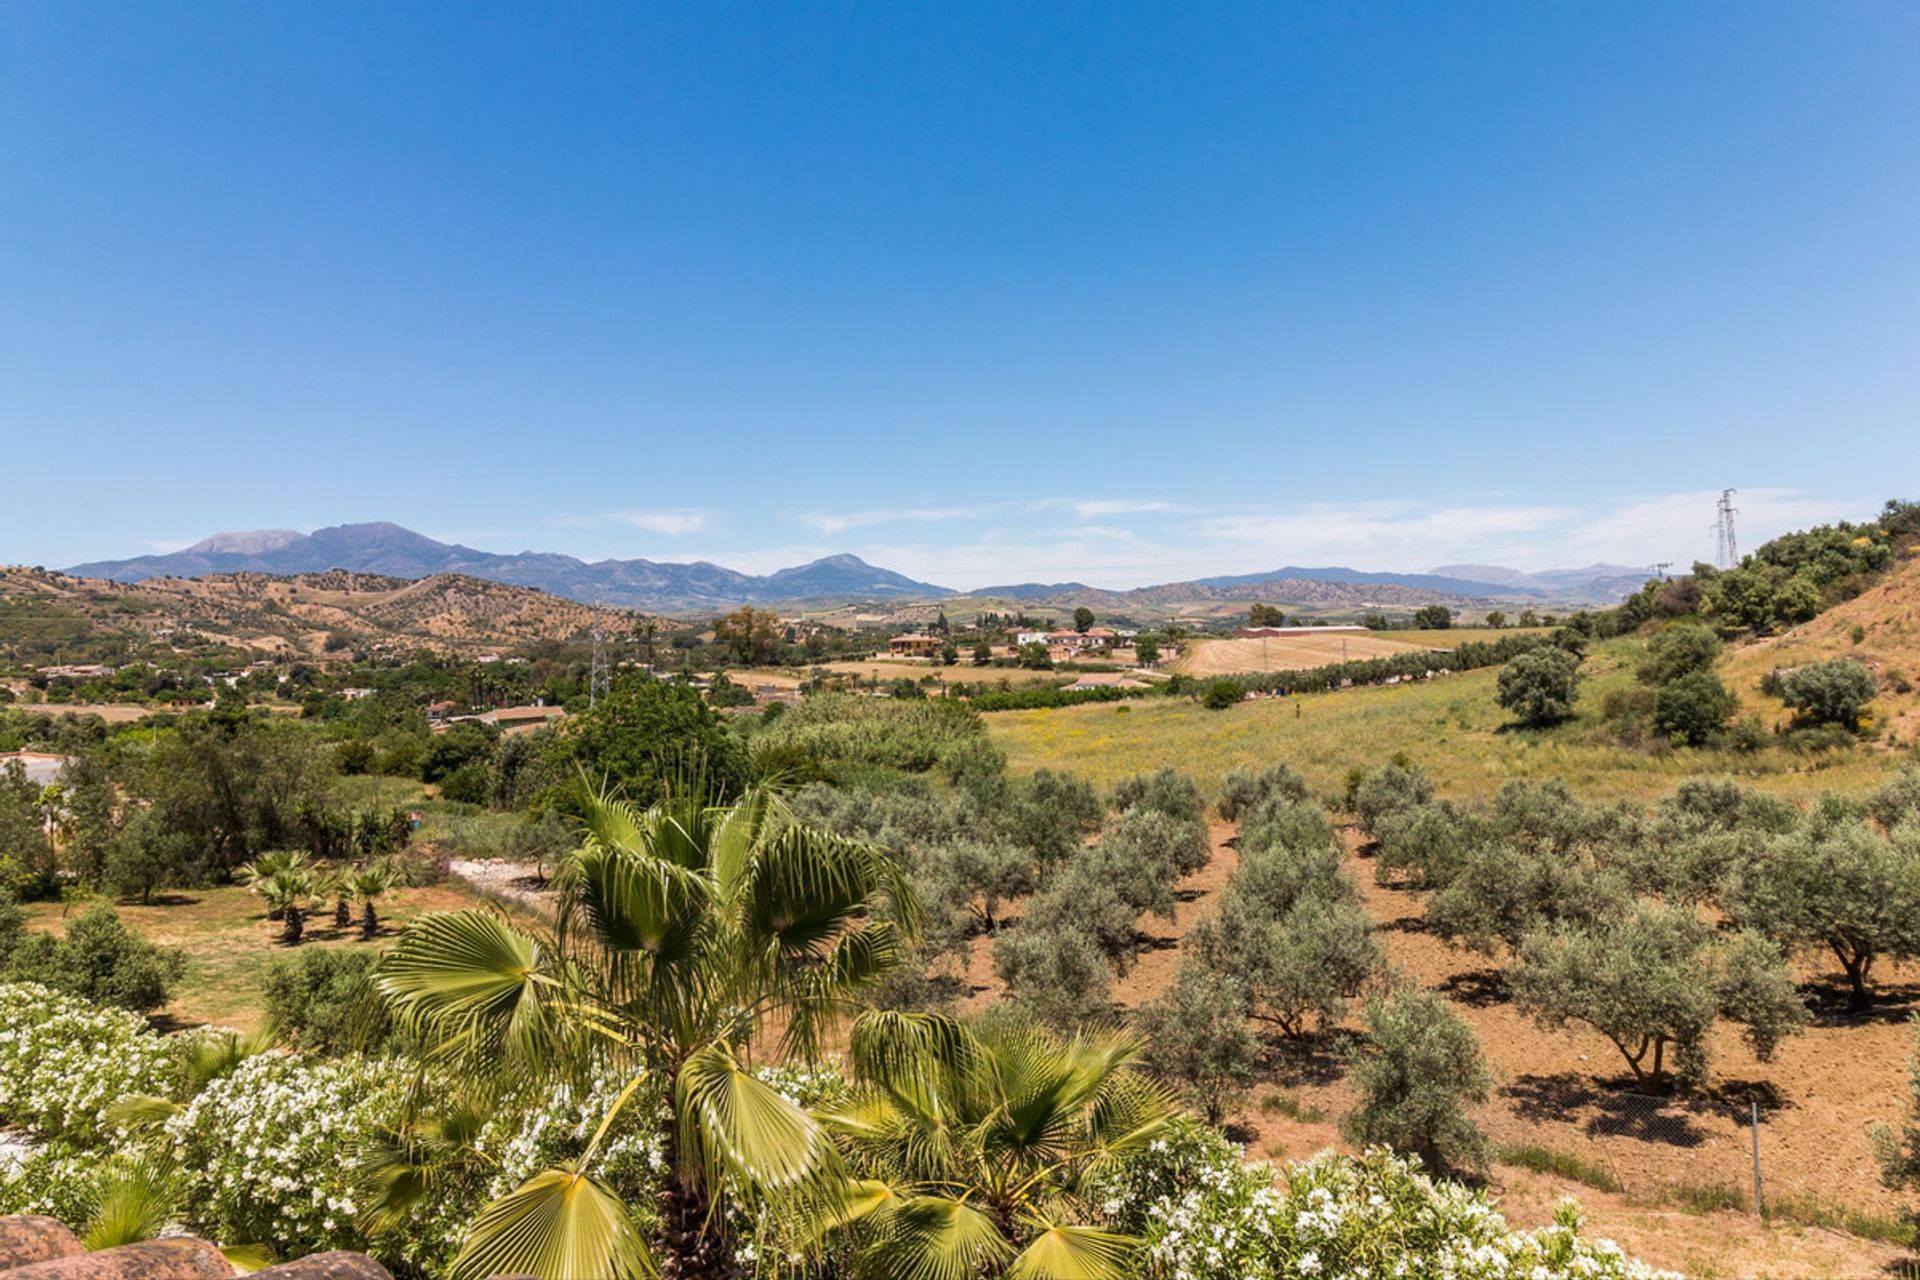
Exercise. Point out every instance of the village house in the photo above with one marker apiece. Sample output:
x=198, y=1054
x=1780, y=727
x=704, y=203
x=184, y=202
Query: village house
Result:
x=1082, y=641
x=914, y=644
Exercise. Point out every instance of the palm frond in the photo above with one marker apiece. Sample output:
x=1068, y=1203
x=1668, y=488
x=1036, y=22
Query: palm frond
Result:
x=1063, y=1252
x=469, y=977
x=886, y=1044
x=133, y=1201
x=558, y=1225
x=745, y=1130
x=141, y=1112
x=935, y=1238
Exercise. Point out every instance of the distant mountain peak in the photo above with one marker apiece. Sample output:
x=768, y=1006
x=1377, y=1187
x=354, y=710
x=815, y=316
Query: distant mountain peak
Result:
x=248, y=542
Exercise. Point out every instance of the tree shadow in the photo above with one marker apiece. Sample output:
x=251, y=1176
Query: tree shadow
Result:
x=1571, y=1098
x=1315, y=1059
x=1409, y=924
x=1477, y=988
x=1189, y=895
x=169, y=899
x=1830, y=1002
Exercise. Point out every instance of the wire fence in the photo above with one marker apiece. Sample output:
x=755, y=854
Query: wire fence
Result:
x=1692, y=1152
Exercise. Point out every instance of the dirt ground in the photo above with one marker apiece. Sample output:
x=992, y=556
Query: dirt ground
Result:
x=1569, y=1091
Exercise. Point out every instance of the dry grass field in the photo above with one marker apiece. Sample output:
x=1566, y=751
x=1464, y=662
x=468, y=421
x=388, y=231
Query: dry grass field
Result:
x=1206, y=658
x=1448, y=725
x=228, y=941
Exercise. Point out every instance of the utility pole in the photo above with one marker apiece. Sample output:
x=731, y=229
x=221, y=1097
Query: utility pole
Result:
x=1726, y=549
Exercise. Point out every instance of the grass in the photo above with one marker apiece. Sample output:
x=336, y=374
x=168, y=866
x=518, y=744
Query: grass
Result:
x=1709, y=1197
x=1450, y=726
x=1561, y=1164
x=1287, y=1104
x=228, y=941
x=1894, y=1229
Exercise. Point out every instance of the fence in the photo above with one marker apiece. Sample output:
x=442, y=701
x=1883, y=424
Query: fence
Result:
x=1690, y=1152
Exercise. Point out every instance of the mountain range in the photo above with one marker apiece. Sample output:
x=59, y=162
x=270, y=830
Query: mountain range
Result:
x=393, y=551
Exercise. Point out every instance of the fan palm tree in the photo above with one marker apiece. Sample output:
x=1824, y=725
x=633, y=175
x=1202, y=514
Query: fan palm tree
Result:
x=685, y=936
x=366, y=886
x=980, y=1147
x=287, y=893
x=269, y=864
x=338, y=885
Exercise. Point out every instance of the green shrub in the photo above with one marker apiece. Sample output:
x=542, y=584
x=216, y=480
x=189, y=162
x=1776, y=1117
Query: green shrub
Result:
x=1824, y=693
x=1415, y=1085
x=1693, y=707
x=1243, y=790
x=100, y=960
x=1221, y=694
x=1197, y=1038
x=322, y=999
x=1540, y=687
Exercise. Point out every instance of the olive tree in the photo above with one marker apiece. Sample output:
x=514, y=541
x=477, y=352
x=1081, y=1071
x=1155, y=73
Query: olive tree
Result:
x=1243, y=790
x=1388, y=789
x=1197, y=1038
x=1058, y=976
x=1540, y=686
x=1680, y=650
x=1653, y=981
x=1421, y=1070
x=1838, y=884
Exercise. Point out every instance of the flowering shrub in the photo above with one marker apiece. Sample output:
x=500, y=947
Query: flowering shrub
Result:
x=268, y=1150
x=1205, y=1216
x=64, y=1061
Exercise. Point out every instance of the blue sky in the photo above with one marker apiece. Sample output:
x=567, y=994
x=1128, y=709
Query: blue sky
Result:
x=1119, y=293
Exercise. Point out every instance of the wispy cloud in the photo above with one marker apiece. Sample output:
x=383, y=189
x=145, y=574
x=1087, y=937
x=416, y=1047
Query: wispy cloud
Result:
x=166, y=546
x=841, y=521
x=674, y=522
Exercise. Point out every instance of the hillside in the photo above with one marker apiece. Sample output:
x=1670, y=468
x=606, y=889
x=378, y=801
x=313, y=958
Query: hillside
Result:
x=1888, y=618
x=274, y=614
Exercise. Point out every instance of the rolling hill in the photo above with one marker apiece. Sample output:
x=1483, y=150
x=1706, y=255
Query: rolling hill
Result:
x=1887, y=616
x=295, y=614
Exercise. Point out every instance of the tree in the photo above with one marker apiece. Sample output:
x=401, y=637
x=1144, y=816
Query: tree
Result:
x=1083, y=618
x=26, y=849
x=982, y=653
x=1243, y=791
x=684, y=935
x=287, y=893
x=1655, y=979
x=144, y=855
x=1682, y=649
x=1540, y=686
x=1433, y=617
x=1035, y=656
x=101, y=960
x=235, y=788
x=972, y=1148
x=368, y=885
x=1835, y=883
x=323, y=999
x=1496, y=619
x=753, y=635
x=1693, y=708
x=1058, y=976
x=1266, y=615
x=1146, y=650
x=1296, y=965
x=646, y=735
x=1197, y=1037
x=949, y=654
x=1833, y=692
x=1165, y=790
x=1425, y=1067
x=1390, y=788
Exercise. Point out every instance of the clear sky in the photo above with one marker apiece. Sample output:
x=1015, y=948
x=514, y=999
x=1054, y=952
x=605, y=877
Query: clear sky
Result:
x=1111, y=292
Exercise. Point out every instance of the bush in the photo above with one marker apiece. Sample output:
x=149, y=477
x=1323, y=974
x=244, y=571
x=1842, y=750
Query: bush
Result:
x=1221, y=694
x=1834, y=692
x=469, y=784
x=1414, y=1088
x=1389, y=789
x=1203, y=1216
x=1166, y=790
x=1197, y=1038
x=1693, y=708
x=1898, y=799
x=1540, y=687
x=63, y=1060
x=1680, y=650
x=100, y=960
x=322, y=999
x=1243, y=790
x=1058, y=976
